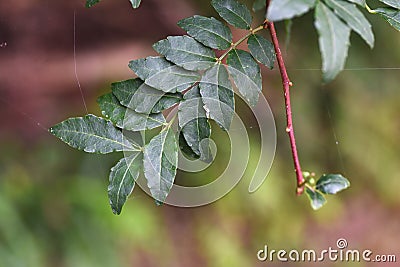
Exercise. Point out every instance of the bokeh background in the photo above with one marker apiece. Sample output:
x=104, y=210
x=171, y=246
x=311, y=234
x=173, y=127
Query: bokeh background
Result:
x=53, y=200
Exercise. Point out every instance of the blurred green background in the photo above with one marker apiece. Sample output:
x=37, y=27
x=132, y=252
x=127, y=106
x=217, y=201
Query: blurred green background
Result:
x=53, y=200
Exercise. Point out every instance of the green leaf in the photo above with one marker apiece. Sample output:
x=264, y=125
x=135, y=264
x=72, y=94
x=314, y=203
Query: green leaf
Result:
x=160, y=161
x=186, y=52
x=124, y=90
x=234, y=13
x=147, y=67
x=153, y=102
x=332, y=183
x=135, y=3
x=194, y=123
x=258, y=5
x=126, y=118
x=287, y=9
x=122, y=180
x=90, y=3
x=392, y=3
x=262, y=50
x=218, y=96
x=333, y=39
x=391, y=15
x=93, y=135
x=208, y=31
x=358, y=2
x=173, y=79
x=317, y=199
x=149, y=100
x=246, y=74
x=185, y=148
x=354, y=19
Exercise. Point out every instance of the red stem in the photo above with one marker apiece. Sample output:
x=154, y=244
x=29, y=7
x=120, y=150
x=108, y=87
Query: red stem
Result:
x=286, y=87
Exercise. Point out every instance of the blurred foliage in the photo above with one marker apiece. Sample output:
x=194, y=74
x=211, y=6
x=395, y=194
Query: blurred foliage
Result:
x=54, y=209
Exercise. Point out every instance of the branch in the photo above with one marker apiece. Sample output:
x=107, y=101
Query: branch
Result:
x=289, y=120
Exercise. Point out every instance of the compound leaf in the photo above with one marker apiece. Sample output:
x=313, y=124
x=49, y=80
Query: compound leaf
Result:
x=391, y=15
x=218, y=96
x=160, y=163
x=262, y=50
x=246, y=74
x=126, y=118
x=93, y=135
x=317, y=199
x=186, y=52
x=332, y=183
x=354, y=19
x=287, y=9
x=392, y=3
x=333, y=39
x=122, y=180
x=194, y=124
x=234, y=13
x=208, y=31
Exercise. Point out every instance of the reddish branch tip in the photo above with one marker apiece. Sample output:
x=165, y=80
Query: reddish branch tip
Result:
x=286, y=88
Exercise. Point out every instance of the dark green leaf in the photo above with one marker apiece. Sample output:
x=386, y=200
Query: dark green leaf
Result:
x=149, y=99
x=246, y=74
x=217, y=95
x=391, y=15
x=185, y=148
x=135, y=3
x=90, y=3
x=234, y=13
x=287, y=9
x=147, y=67
x=262, y=50
x=122, y=180
x=392, y=3
x=93, y=135
x=332, y=183
x=124, y=90
x=173, y=79
x=208, y=31
x=160, y=163
x=334, y=41
x=194, y=123
x=186, y=52
x=317, y=199
x=258, y=5
x=126, y=118
x=354, y=19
